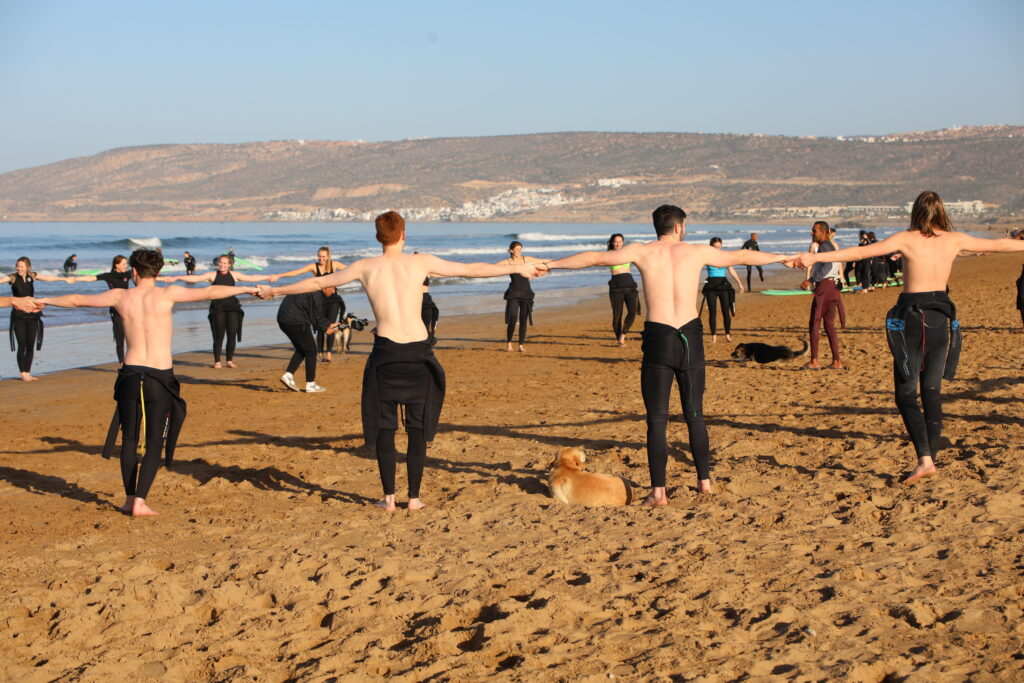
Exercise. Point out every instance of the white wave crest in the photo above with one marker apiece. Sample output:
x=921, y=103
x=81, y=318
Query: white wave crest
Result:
x=545, y=237
x=146, y=242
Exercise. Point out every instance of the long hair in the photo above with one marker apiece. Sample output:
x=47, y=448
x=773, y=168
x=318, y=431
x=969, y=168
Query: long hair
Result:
x=929, y=214
x=611, y=240
x=27, y=260
x=118, y=259
x=513, y=245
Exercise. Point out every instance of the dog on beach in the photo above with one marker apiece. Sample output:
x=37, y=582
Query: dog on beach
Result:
x=343, y=338
x=568, y=483
x=766, y=353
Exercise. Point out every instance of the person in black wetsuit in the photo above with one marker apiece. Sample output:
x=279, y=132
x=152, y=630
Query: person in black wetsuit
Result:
x=225, y=314
x=429, y=312
x=26, y=330
x=297, y=316
x=334, y=305
x=718, y=290
x=622, y=291
x=518, y=296
x=149, y=405
x=862, y=268
x=118, y=278
x=71, y=264
x=752, y=245
x=922, y=329
x=1020, y=290
x=190, y=263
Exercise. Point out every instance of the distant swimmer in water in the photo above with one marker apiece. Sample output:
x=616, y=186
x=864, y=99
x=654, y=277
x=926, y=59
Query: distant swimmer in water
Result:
x=149, y=404
x=673, y=342
x=718, y=290
x=26, y=330
x=118, y=278
x=922, y=329
x=71, y=264
x=333, y=304
x=225, y=314
x=190, y=263
x=518, y=296
x=622, y=291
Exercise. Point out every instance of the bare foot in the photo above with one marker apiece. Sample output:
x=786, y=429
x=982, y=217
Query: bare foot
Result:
x=656, y=498
x=231, y=364
x=129, y=502
x=704, y=486
x=728, y=337
x=327, y=358
x=925, y=468
x=416, y=504
x=387, y=504
x=509, y=349
x=622, y=340
x=217, y=365
x=812, y=365
x=836, y=365
x=140, y=509
x=521, y=349
x=714, y=339
x=26, y=377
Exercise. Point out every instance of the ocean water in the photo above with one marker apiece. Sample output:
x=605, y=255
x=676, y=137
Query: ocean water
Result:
x=81, y=337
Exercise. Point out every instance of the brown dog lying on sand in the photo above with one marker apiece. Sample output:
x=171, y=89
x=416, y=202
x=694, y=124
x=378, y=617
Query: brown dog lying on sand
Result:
x=570, y=484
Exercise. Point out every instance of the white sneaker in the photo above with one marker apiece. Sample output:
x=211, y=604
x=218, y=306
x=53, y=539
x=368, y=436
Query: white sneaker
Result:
x=288, y=379
x=313, y=387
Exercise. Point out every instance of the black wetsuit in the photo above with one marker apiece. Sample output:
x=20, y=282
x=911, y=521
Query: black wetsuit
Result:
x=718, y=290
x=70, y=266
x=26, y=331
x=863, y=269
x=116, y=280
x=139, y=391
x=753, y=246
x=406, y=374
x=678, y=354
x=190, y=265
x=518, y=306
x=334, y=310
x=298, y=316
x=225, y=319
x=1020, y=294
x=622, y=291
x=429, y=313
x=924, y=337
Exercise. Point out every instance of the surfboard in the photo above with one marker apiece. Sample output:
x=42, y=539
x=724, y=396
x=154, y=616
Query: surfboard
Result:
x=86, y=271
x=242, y=263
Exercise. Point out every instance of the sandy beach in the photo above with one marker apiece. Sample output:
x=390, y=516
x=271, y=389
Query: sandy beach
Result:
x=268, y=562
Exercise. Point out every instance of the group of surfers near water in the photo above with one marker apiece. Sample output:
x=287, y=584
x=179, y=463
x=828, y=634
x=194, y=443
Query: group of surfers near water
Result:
x=401, y=370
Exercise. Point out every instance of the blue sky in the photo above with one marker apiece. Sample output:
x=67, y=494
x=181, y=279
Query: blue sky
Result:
x=78, y=77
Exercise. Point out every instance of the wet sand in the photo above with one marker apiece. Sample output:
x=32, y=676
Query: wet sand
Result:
x=268, y=562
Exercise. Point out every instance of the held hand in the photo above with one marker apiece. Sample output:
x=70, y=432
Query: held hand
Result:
x=70, y=280
x=265, y=292
x=805, y=285
x=802, y=260
x=273, y=278
x=27, y=304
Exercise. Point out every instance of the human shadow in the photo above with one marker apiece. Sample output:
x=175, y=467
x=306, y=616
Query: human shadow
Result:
x=41, y=484
x=189, y=379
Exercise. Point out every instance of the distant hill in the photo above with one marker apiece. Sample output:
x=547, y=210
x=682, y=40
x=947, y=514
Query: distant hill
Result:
x=554, y=176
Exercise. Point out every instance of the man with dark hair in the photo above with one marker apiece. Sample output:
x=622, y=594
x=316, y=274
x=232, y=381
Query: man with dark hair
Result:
x=752, y=245
x=401, y=368
x=148, y=402
x=673, y=343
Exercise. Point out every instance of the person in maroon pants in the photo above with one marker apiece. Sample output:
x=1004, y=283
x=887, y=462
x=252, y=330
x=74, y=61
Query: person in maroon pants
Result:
x=824, y=279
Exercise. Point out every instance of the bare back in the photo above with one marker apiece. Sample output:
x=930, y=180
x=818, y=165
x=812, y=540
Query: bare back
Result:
x=928, y=261
x=146, y=311
x=671, y=275
x=394, y=285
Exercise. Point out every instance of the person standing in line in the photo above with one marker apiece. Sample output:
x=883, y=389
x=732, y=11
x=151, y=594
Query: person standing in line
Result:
x=118, y=278
x=26, y=330
x=673, y=341
x=752, y=245
x=402, y=368
x=863, y=267
x=922, y=329
x=149, y=404
x=518, y=297
x=225, y=314
x=622, y=291
x=717, y=289
x=824, y=279
x=429, y=312
x=1020, y=290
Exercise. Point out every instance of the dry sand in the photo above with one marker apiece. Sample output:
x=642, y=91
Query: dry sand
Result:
x=268, y=563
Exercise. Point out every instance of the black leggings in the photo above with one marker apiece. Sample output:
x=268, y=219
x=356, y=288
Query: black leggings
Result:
x=760, y=274
x=517, y=310
x=334, y=308
x=723, y=297
x=666, y=358
x=932, y=337
x=415, y=459
x=118, y=323
x=159, y=403
x=225, y=322
x=618, y=298
x=863, y=272
x=301, y=337
x=25, y=331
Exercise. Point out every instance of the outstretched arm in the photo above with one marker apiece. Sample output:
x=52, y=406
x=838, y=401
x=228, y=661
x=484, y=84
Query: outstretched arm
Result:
x=22, y=303
x=51, y=278
x=308, y=268
x=443, y=268
x=985, y=245
x=313, y=284
x=183, y=294
x=205, y=277
x=81, y=278
x=720, y=258
x=886, y=246
x=108, y=299
x=242, y=277
x=588, y=259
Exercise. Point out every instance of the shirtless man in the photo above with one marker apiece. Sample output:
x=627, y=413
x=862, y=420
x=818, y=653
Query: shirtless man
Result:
x=929, y=247
x=146, y=384
x=25, y=304
x=401, y=368
x=673, y=344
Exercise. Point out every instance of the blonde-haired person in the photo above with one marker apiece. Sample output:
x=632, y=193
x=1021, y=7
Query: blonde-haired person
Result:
x=922, y=329
x=26, y=330
x=333, y=304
